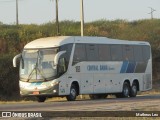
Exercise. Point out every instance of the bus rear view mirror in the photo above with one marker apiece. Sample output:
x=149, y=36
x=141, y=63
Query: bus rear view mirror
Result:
x=15, y=60
x=58, y=56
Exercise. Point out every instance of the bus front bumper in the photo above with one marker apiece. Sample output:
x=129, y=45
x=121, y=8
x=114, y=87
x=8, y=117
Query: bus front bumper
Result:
x=48, y=92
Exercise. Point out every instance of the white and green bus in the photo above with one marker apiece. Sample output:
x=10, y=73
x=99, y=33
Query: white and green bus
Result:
x=72, y=65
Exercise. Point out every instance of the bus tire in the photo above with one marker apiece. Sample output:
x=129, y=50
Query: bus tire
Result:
x=126, y=90
x=133, y=91
x=41, y=99
x=73, y=93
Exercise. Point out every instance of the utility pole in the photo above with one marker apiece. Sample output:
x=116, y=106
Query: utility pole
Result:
x=57, y=21
x=152, y=10
x=17, y=12
x=82, y=19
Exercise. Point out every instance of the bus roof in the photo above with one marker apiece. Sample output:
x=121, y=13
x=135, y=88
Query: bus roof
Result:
x=50, y=42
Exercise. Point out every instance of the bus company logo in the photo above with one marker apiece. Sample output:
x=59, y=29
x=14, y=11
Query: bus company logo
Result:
x=6, y=114
x=99, y=68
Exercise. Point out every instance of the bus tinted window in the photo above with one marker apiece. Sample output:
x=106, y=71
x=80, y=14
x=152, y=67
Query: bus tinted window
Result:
x=68, y=49
x=146, y=53
x=92, y=52
x=128, y=53
x=79, y=53
x=104, y=53
x=138, y=53
x=116, y=52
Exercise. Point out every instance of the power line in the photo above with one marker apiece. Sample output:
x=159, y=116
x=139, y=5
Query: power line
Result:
x=17, y=12
x=57, y=19
x=152, y=10
x=6, y=1
x=82, y=19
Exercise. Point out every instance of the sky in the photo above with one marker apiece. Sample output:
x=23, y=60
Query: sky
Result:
x=43, y=11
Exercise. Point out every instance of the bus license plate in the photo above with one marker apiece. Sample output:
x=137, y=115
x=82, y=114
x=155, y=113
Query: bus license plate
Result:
x=36, y=92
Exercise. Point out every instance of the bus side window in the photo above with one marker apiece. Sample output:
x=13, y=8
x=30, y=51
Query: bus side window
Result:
x=128, y=53
x=62, y=66
x=116, y=52
x=138, y=53
x=104, y=53
x=79, y=53
x=92, y=52
x=146, y=53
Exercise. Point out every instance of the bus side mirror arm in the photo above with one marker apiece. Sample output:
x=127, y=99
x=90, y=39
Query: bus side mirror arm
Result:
x=58, y=56
x=15, y=60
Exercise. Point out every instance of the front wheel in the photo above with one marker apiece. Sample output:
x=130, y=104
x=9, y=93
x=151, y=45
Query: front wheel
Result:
x=41, y=99
x=73, y=94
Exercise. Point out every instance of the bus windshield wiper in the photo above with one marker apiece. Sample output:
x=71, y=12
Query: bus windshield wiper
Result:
x=29, y=77
x=37, y=69
x=41, y=74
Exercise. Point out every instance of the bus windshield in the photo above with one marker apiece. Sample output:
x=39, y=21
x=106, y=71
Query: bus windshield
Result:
x=38, y=65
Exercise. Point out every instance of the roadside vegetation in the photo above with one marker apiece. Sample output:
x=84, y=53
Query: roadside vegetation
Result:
x=13, y=38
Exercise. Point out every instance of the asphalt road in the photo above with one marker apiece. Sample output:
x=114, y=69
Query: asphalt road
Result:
x=140, y=103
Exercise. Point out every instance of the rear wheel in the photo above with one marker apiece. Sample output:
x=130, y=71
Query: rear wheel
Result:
x=73, y=94
x=125, y=91
x=133, y=91
x=41, y=99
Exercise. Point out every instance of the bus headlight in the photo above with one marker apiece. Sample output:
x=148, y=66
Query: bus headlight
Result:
x=54, y=91
x=54, y=83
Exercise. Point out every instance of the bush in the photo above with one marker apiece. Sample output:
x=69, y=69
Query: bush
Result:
x=9, y=87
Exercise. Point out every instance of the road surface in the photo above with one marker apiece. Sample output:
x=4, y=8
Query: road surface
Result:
x=140, y=103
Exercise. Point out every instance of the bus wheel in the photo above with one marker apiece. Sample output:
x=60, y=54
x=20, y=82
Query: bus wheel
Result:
x=41, y=99
x=133, y=91
x=126, y=90
x=73, y=94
